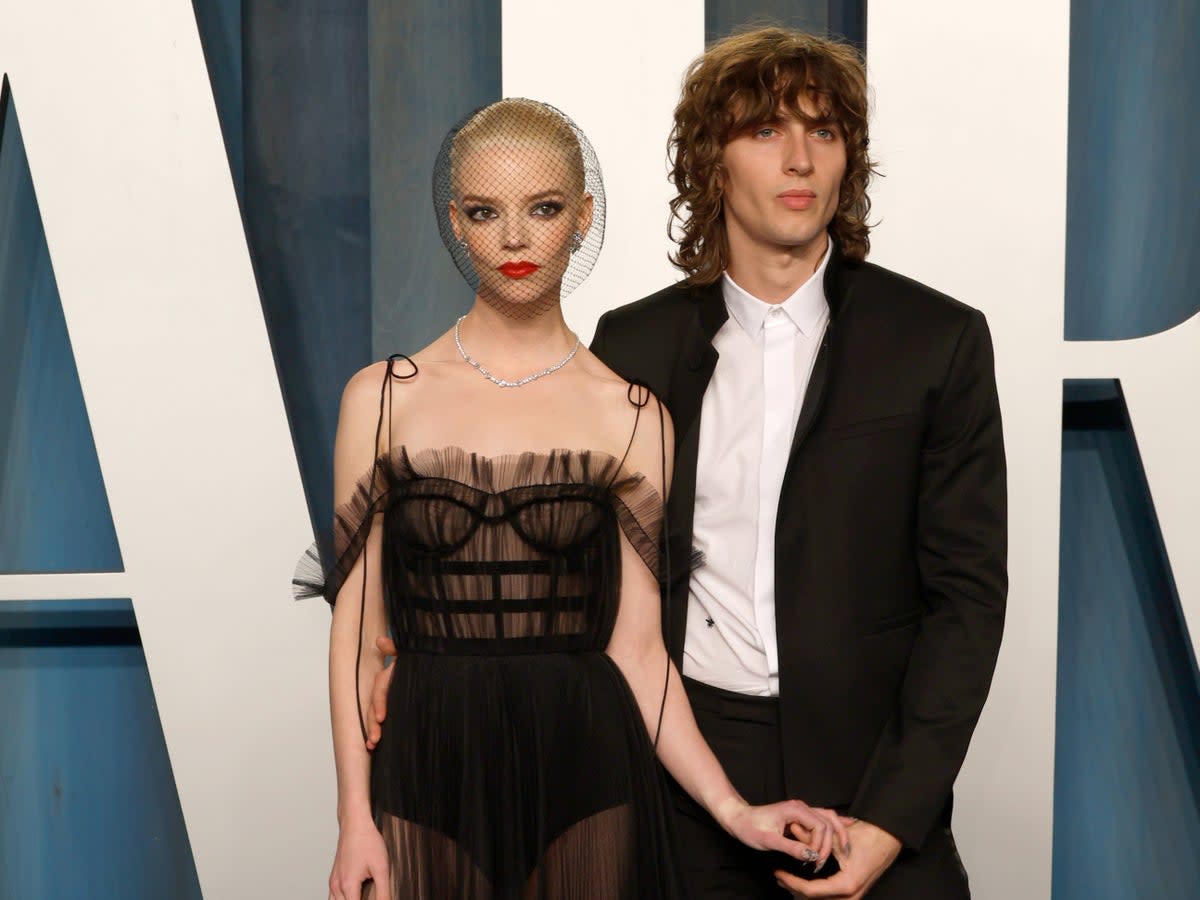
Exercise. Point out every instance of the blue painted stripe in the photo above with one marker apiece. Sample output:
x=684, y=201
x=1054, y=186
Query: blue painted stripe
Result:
x=220, y=26
x=432, y=63
x=54, y=512
x=88, y=806
x=1127, y=752
x=1133, y=139
x=842, y=18
x=307, y=212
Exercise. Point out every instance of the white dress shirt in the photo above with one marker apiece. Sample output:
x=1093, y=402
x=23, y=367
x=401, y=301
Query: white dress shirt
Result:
x=747, y=421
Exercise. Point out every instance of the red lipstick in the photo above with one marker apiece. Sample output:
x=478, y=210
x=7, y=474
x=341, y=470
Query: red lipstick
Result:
x=797, y=199
x=520, y=269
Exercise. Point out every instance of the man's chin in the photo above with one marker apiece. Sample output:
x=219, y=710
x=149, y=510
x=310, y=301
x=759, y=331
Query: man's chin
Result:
x=803, y=242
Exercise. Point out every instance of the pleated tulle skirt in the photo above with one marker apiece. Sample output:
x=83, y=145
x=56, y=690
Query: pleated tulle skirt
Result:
x=519, y=776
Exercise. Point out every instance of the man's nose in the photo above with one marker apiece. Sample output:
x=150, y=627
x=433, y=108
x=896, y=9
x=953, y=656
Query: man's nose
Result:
x=797, y=158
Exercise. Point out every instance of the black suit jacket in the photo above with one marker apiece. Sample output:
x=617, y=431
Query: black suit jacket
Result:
x=891, y=538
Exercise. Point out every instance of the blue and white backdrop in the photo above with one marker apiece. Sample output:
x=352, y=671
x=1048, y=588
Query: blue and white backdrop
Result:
x=212, y=213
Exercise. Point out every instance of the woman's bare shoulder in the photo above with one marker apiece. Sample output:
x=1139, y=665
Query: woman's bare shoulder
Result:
x=395, y=376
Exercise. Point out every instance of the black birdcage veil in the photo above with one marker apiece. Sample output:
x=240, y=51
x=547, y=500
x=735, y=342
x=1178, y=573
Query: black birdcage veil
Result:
x=519, y=200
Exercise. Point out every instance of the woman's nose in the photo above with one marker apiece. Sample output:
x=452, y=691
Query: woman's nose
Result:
x=514, y=233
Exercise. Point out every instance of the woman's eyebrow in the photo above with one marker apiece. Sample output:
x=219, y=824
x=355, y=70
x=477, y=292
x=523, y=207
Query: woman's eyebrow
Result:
x=544, y=195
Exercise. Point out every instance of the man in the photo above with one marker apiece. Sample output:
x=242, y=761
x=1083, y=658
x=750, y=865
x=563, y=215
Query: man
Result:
x=837, y=523
x=839, y=472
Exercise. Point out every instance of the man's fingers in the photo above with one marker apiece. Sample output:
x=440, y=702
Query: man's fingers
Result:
x=798, y=887
x=805, y=815
x=836, y=887
x=379, y=697
x=815, y=830
x=831, y=820
x=379, y=705
x=800, y=850
x=379, y=692
x=385, y=645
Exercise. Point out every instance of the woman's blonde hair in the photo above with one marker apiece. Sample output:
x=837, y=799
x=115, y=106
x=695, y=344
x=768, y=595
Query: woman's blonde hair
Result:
x=519, y=119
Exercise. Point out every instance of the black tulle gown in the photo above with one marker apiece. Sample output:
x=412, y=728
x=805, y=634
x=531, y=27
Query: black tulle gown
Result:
x=514, y=761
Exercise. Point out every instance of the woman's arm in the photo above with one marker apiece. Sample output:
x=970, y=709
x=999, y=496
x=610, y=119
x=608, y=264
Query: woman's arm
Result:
x=361, y=854
x=637, y=648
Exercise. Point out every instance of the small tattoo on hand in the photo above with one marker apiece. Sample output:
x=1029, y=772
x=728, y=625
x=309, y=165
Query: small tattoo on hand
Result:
x=709, y=622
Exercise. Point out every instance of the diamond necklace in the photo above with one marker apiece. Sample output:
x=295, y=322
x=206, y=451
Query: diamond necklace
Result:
x=504, y=382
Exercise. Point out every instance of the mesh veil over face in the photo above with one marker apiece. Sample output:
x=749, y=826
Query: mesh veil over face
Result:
x=520, y=204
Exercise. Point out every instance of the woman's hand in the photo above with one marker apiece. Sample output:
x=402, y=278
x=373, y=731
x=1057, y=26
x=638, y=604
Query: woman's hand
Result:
x=766, y=827
x=361, y=856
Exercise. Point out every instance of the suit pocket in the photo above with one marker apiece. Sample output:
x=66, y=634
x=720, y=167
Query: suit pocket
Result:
x=892, y=623
x=872, y=426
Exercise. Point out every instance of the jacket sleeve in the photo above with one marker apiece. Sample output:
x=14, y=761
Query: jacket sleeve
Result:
x=961, y=521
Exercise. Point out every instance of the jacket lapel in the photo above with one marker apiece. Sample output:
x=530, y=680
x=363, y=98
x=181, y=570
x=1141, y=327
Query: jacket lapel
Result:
x=690, y=379
x=837, y=278
x=697, y=360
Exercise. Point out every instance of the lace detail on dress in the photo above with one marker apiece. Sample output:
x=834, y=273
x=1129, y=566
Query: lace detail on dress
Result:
x=508, y=478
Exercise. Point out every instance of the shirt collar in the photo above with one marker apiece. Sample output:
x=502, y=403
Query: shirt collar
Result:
x=806, y=308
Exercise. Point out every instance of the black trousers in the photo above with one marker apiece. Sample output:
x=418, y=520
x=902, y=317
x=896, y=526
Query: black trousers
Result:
x=744, y=734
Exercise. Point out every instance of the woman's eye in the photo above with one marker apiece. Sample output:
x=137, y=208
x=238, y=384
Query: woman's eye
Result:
x=480, y=213
x=548, y=209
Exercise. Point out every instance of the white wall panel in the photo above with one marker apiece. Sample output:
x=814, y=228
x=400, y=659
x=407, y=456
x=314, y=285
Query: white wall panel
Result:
x=167, y=330
x=970, y=129
x=617, y=73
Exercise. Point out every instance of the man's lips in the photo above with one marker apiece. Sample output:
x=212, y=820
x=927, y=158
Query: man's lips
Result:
x=798, y=199
x=519, y=269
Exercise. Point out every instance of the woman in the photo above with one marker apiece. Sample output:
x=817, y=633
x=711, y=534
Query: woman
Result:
x=519, y=579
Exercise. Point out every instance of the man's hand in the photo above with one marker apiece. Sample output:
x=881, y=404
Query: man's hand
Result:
x=379, y=693
x=872, y=850
x=764, y=827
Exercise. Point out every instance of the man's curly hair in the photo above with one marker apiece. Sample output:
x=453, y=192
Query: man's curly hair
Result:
x=746, y=80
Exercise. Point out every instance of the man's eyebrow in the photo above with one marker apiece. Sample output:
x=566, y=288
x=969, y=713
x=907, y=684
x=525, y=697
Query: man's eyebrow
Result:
x=752, y=123
x=820, y=120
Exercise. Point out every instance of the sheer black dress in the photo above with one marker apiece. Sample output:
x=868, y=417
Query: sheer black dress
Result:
x=514, y=761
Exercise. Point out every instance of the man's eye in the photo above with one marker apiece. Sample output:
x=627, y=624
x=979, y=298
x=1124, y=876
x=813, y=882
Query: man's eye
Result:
x=826, y=134
x=765, y=132
x=548, y=209
x=480, y=213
